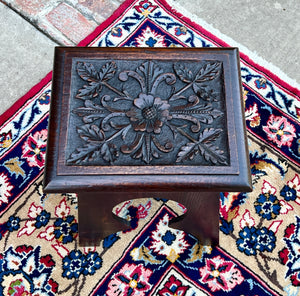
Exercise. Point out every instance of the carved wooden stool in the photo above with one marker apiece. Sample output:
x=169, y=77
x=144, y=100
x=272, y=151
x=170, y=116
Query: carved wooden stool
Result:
x=128, y=123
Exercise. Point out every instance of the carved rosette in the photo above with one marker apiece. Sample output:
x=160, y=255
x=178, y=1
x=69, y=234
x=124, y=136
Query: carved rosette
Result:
x=147, y=113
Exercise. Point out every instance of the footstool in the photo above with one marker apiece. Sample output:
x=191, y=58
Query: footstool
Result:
x=129, y=123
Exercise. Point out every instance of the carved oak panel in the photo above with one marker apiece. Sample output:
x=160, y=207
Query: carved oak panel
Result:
x=164, y=119
x=147, y=112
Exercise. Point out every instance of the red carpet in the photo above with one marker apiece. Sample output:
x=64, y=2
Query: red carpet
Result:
x=259, y=231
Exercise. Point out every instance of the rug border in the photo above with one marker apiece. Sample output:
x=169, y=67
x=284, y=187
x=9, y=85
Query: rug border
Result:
x=118, y=12
x=197, y=24
x=97, y=31
x=226, y=41
x=22, y=100
x=263, y=283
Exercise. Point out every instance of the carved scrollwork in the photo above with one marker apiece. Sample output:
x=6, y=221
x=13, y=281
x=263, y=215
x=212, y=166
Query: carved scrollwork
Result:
x=157, y=113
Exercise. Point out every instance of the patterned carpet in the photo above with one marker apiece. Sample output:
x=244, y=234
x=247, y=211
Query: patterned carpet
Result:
x=259, y=231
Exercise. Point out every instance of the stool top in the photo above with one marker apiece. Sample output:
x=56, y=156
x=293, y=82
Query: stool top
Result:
x=146, y=119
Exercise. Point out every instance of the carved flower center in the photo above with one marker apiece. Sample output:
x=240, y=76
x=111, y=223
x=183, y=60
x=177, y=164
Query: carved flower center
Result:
x=149, y=112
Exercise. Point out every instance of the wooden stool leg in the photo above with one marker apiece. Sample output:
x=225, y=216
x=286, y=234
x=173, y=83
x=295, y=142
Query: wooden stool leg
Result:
x=96, y=220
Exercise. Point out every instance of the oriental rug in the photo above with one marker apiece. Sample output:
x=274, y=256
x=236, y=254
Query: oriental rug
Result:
x=259, y=252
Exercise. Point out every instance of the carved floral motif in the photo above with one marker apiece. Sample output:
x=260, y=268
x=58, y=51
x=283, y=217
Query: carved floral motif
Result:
x=168, y=115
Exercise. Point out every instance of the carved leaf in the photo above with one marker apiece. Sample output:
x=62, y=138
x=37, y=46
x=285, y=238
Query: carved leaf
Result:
x=87, y=72
x=107, y=71
x=154, y=70
x=216, y=113
x=209, y=151
x=205, y=146
x=109, y=152
x=90, y=112
x=143, y=153
x=187, y=151
x=209, y=135
x=204, y=92
x=90, y=133
x=150, y=69
x=82, y=154
x=204, y=113
x=183, y=73
x=213, y=154
x=89, y=91
x=208, y=72
x=125, y=131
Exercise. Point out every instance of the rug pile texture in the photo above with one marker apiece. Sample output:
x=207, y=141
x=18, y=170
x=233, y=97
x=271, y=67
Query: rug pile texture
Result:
x=259, y=252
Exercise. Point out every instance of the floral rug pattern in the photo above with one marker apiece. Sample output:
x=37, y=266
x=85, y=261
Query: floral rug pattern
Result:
x=259, y=231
